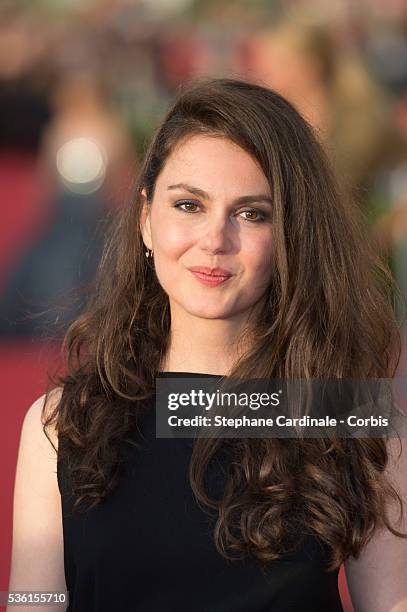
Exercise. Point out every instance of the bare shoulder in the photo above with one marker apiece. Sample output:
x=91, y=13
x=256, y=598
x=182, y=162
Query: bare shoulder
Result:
x=37, y=552
x=36, y=415
x=37, y=454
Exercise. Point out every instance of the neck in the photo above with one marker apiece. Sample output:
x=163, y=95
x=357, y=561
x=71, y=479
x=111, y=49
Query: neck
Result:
x=209, y=346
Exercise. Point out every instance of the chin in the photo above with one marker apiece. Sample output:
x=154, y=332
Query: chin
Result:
x=208, y=312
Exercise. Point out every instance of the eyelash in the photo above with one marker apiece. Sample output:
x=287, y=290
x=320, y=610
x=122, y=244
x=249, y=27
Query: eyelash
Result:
x=260, y=220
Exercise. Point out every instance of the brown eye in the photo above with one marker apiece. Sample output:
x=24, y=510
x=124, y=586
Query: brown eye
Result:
x=186, y=203
x=252, y=211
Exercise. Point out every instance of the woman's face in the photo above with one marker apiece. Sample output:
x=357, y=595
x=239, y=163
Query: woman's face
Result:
x=201, y=223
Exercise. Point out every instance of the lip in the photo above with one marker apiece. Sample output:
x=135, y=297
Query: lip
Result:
x=210, y=276
x=211, y=272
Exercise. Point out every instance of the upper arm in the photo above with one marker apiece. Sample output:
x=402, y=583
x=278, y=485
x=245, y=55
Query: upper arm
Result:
x=377, y=580
x=37, y=550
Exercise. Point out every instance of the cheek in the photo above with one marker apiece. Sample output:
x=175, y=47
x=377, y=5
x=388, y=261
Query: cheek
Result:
x=259, y=255
x=171, y=239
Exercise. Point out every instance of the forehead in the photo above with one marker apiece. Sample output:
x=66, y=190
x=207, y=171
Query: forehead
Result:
x=214, y=164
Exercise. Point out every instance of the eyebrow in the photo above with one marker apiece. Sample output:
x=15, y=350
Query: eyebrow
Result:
x=241, y=200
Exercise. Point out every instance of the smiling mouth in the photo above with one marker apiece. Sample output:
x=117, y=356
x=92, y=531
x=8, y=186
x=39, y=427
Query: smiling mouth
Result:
x=210, y=279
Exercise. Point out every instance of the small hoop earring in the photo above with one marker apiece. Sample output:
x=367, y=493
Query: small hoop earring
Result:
x=149, y=253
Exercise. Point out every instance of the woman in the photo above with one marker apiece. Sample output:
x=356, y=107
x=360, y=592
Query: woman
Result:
x=234, y=181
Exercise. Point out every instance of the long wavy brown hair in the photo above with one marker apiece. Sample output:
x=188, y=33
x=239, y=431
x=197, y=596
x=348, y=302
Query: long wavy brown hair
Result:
x=328, y=313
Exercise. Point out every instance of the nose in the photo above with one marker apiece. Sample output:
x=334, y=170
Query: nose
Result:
x=217, y=236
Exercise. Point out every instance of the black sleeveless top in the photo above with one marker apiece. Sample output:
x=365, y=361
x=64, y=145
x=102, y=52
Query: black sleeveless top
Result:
x=148, y=547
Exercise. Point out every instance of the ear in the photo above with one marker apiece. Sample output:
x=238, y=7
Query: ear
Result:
x=145, y=227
